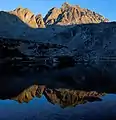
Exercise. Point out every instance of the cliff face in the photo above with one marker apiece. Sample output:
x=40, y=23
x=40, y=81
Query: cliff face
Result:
x=28, y=17
x=52, y=16
x=39, y=21
x=69, y=14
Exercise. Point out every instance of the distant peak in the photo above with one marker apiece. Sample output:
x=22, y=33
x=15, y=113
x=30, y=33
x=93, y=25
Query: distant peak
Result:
x=66, y=4
x=72, y=14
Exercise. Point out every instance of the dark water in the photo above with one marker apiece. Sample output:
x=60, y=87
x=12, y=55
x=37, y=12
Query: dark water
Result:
x=68, y=86
x=41, y=109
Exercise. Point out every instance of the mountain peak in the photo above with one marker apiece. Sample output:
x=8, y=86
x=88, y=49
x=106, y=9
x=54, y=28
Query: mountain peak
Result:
x=66, y=15
x=26, y=16
x=65, y=4
x=19, y=7
x=72, y=14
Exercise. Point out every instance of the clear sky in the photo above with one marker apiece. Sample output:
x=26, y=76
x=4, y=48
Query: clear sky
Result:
x=106, y=8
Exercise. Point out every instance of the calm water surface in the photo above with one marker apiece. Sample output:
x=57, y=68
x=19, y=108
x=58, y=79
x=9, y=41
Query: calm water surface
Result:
x=41, y=109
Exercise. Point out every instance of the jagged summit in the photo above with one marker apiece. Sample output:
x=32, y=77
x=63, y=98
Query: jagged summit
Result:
x=66, y=15
x=66, y=4
x=26, y=16
x=72, y=14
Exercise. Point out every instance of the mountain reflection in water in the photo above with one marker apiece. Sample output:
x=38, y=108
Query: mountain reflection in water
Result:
x=40, y=108
x=57, y=95
x=63, y=97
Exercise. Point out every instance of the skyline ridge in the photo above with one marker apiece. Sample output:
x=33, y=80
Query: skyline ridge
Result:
x=64, y=3
x=39, y=8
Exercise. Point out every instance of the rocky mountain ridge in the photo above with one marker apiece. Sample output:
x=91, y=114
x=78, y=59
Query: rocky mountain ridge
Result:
x=72, y=14
x=28, y=17
x=66, y=15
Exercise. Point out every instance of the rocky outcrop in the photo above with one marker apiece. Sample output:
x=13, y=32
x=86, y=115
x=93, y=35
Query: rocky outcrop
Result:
x=26, y=16
x=72, y=14
x=52, y=16
x=39, y=21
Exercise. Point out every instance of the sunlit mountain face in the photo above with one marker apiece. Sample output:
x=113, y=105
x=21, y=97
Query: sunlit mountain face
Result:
x=67, y=14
